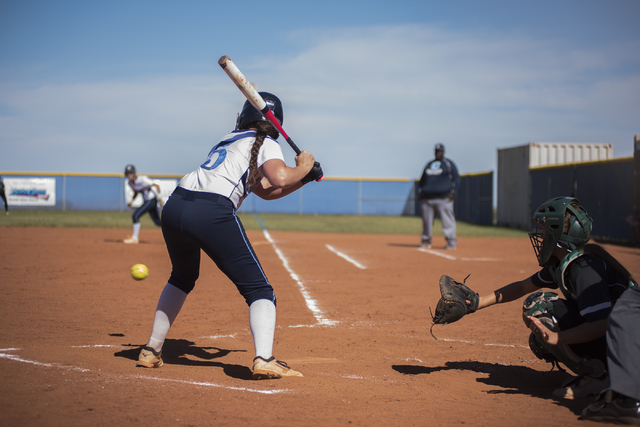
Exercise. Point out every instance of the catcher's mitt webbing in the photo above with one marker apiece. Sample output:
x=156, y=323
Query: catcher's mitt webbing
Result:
x=452, y=305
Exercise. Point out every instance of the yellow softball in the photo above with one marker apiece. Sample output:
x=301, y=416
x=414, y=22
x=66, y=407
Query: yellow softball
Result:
x=139, y=271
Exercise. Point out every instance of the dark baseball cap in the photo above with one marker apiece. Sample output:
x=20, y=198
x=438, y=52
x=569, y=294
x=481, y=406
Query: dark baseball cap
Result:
x=439, y=147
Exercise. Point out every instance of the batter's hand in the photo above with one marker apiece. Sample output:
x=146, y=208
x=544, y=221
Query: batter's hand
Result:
x=305, y=160
x=548, y=336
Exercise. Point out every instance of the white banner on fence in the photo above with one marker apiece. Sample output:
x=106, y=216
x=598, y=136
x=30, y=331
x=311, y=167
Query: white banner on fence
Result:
x=166, y=188
x=30, y=191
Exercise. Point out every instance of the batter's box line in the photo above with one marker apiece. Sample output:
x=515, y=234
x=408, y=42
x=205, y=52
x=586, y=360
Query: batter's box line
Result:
x=345, y=257
x=487, y=344
x=310, y=302
x=16, y=358
x=452, y=258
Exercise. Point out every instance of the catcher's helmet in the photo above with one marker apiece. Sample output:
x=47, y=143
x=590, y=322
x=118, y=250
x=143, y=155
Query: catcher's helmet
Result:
x=129, y=169
x=249, y=114
x=564, y=222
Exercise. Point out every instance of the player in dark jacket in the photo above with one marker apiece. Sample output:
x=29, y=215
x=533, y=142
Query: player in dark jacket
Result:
x=439, y=182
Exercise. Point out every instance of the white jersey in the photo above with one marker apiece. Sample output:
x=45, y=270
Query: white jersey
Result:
x=226, y=171
x=144, y=185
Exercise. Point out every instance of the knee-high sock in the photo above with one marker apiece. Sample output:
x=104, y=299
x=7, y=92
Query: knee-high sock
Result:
x=136, y=230
x=169, y=306
x=262, y=320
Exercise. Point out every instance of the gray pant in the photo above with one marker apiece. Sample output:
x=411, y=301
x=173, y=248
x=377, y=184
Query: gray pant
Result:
x=623, y=344
x=444, y=208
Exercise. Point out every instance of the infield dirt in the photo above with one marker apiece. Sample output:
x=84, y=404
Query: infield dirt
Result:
x=72, y=321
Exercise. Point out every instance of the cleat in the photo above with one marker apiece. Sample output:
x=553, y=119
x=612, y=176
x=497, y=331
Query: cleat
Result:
x=426, y=244
x=131, y=241
x=451, y=247
x=579, y=387
x=266, y=369
x=149, y=358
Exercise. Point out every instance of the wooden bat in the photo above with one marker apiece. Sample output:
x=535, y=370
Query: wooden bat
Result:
x=253, y=96
x=256, y=100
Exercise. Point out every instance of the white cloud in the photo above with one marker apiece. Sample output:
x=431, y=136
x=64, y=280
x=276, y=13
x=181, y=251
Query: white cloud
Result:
x=367, y=102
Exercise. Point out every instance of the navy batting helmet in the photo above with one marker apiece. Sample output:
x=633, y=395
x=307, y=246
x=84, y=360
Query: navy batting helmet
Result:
x=249, y=114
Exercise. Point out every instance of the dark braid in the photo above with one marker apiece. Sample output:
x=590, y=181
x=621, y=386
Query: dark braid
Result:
x=262, y=130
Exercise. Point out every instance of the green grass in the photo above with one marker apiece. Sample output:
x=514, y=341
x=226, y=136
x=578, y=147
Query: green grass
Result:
x=288, y=222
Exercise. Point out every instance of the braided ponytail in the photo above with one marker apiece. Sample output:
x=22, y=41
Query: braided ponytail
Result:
x=262, y=130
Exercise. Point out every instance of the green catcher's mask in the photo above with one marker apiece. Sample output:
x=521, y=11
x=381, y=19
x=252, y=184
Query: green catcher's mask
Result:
x=549, y=220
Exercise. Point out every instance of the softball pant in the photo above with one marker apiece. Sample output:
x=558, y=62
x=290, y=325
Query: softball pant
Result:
x=192, y=221
x=148, y=206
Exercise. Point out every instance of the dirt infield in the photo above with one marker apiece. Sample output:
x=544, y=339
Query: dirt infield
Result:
x=72, y=321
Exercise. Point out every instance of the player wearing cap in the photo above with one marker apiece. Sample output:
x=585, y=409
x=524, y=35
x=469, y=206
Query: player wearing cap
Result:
x=143, y=185
x=439, y=182
x=200, y=215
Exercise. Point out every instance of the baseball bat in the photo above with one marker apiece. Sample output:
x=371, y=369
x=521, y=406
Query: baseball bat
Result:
x=253, y=96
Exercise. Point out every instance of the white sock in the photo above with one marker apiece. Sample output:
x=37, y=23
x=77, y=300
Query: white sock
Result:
x=262, y=320
x=169, y=306
x=136, y=230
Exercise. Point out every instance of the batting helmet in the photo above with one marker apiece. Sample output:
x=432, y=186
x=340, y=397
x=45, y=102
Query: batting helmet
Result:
x=129, y=169
x=249, y=114
x=564, y=222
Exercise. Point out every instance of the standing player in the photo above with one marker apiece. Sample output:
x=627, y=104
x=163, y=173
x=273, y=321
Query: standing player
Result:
x=570, y=330
x=141, y=184
x=438, y=184
x=4, y=197
x=200, y=215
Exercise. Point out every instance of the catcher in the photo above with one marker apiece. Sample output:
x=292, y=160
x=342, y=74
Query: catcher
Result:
x=569, y=330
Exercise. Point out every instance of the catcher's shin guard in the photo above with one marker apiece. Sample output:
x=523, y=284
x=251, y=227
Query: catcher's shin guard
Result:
x=540, y=305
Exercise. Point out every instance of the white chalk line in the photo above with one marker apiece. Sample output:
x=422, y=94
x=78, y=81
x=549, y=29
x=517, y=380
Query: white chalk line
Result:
x=215, y=337
x=346, y=257
x=15, y=358
x=452, y=258
x=487, y=344
x=311, y=303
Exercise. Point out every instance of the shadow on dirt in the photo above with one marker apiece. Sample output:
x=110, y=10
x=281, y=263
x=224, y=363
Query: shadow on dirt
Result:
x=511, y=379
x=184, y=352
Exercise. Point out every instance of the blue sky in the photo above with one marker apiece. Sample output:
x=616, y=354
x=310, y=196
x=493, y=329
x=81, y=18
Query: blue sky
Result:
x=368, y=86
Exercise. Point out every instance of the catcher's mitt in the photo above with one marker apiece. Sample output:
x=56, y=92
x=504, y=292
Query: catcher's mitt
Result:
x=452, y=305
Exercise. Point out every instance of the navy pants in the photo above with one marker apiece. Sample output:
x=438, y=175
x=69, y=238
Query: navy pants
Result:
x=148, y=206
x=192, y=221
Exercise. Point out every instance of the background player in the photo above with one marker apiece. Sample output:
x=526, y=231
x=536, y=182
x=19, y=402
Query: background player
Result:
x=436, y=191
x=141, y=184
x=4, y=197
x=200, y=215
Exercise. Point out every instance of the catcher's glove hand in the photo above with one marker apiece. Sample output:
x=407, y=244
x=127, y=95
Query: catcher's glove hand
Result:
x=453, y=305
x=315, y=174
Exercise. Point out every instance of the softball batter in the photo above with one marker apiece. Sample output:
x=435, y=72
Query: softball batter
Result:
x=200, y=215
x=141, y=184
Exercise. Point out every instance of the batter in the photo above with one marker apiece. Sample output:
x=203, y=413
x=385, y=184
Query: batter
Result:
x=200, y=215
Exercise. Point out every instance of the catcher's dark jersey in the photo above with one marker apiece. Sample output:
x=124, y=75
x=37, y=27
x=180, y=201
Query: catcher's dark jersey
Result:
x=597, y=285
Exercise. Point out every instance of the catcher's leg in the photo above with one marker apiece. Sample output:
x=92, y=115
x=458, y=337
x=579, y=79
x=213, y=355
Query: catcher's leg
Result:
x=547, y=307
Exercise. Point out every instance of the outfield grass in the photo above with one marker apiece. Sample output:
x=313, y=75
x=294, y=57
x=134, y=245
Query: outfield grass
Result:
x=287, y=222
